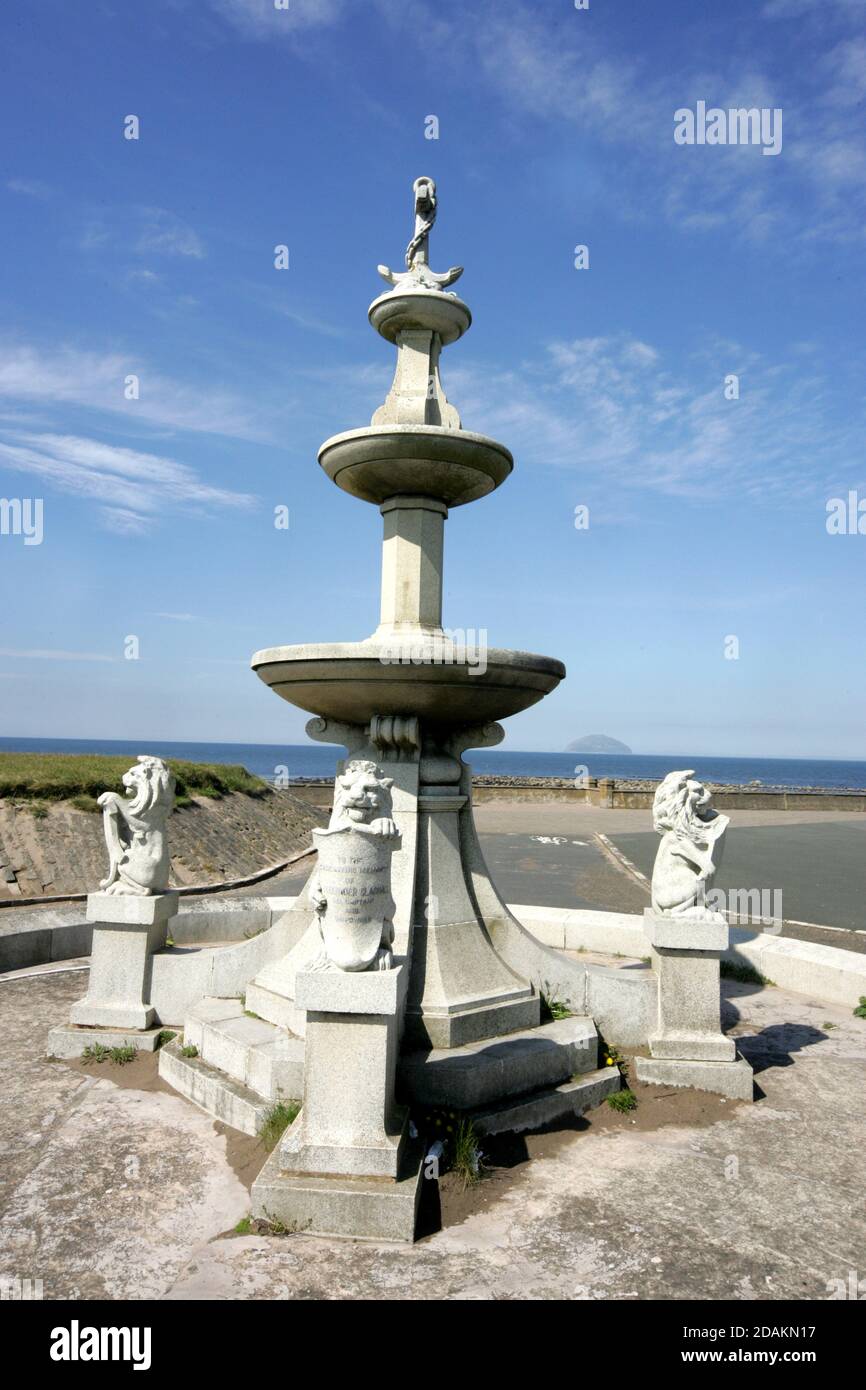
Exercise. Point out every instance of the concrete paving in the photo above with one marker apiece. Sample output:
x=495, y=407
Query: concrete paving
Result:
x=112, y=1190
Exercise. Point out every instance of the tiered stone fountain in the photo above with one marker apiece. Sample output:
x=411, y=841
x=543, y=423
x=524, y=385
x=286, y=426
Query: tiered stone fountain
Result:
x=411, y=699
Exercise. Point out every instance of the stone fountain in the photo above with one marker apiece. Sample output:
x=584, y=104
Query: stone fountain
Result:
x=409, y=695
x=399, y=979
x=399, y=982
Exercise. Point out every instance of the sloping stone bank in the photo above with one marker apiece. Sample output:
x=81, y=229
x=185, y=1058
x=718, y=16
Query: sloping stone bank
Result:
x=62, y=849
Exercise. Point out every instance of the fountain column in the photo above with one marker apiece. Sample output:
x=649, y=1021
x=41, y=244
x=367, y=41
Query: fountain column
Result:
x=412, y=550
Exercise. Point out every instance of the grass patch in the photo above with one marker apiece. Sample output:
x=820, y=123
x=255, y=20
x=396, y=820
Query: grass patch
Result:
x=248, y=1013
x=622, y=1101
x=860, y=1011
x=745, y=974
x=244, y=1226
x=450, y=1142
x=466, y=1157
x=277, y=1120
x=96, y=1052
x=165, y=1036
x=189, y=1050
x=552, y=1007
x=81, y=777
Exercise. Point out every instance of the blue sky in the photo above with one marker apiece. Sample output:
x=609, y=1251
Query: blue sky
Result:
x=306, y=127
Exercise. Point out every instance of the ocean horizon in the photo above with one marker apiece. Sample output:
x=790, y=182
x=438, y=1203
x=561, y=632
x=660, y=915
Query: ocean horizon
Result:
x=301, y=761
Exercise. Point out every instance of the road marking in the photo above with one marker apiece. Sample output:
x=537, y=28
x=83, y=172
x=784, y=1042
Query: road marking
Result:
x=619, y=859
x=819, y=926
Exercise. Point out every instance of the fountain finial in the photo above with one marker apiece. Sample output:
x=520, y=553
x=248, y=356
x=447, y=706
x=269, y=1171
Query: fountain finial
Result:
x=418, y=275
x=424, y=190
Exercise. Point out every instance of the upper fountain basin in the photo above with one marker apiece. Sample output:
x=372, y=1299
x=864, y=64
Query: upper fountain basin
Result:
x=353, y=681
x=409, y=310
x=381, y=461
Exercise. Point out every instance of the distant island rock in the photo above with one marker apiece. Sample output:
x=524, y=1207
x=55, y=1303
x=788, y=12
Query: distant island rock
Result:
x=597, y=743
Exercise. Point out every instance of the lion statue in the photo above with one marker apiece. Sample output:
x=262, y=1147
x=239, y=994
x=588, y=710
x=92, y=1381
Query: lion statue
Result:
x=356, y=928
x=363, y=798
x=134, y=828
x=691, y=847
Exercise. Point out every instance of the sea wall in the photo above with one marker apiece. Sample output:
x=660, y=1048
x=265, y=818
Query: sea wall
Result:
x=608, y=793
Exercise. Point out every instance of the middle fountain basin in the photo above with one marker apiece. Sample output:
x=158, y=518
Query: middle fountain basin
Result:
x=354, y=681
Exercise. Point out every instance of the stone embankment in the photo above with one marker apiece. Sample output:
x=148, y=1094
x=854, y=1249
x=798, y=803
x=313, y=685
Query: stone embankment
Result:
x=61, y=849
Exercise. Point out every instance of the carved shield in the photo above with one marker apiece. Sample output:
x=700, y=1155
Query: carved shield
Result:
x=354, y=877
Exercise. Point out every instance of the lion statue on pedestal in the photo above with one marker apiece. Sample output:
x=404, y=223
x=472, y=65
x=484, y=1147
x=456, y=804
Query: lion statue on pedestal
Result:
x=134, y=828
x=691, y=847
x=350, y=889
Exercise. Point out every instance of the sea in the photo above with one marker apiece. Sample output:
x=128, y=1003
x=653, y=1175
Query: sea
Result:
x=273, y=761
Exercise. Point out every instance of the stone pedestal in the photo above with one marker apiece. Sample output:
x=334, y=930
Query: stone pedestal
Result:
x=346, y=1166
x=126, y=932
x=460, y=991
x=688, y=1046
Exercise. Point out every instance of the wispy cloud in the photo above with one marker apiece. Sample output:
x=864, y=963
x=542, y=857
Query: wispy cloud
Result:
x=616, y=411
x=75, y=376
x=144, y=230
x=259, y=19
x=29, y=188
x=165, y=234
x=177, y=617
x=134, y=488
x=50, y=654
x=585, y=77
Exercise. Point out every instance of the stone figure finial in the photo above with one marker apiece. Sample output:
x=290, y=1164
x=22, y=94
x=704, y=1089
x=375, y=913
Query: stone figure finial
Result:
x=351, y=886
x=424, y=190
x=418, y=274
x=691, y=847
x=134, y=828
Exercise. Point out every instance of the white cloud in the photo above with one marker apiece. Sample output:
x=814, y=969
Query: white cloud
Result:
x=165, y=234
x=819, y=9
x=134, y=488
x=616, y=412
x=260, y=20
x=50, y=654
x=74, y=376
x=845, y=69
x=586, y=77
x=124, y=522
x=29, y=188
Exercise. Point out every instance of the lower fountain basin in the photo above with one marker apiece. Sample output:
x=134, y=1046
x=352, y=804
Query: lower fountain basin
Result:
x=353, y=681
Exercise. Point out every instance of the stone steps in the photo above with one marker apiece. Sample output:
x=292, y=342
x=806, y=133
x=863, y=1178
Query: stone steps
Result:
x=247, y=1050
x=481, y=1074
x=549, y=1106
x=214, y=1092
x=518, y=1082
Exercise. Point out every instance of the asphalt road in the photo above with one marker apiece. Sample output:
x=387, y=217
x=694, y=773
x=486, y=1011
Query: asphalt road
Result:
x=818, y=871
x=549, y=854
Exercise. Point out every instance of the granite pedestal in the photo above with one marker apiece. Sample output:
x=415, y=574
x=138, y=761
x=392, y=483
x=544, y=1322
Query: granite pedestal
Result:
x=346, y=1167
x=688, y=1046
